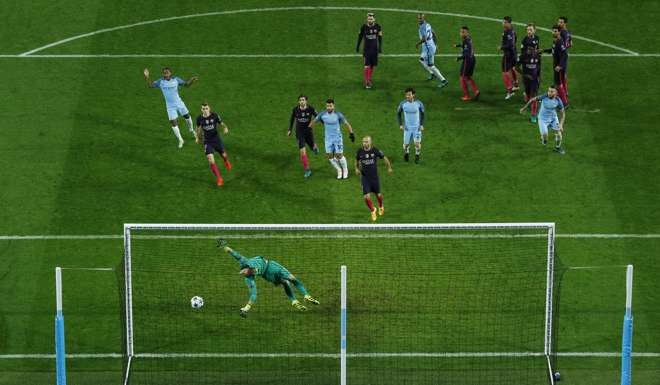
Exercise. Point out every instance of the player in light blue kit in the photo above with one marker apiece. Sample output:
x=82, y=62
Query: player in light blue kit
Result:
x=411, y=123
x=334, y=143
x=550, y=103
x=427, y=57
x=169, y=85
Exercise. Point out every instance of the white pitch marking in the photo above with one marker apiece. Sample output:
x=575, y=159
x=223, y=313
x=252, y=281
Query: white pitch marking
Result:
x=305, y=8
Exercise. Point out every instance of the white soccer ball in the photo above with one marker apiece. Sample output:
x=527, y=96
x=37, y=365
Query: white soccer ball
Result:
x=197, y=302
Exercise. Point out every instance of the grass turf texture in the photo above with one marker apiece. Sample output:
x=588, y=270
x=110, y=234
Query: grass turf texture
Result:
x=89, y=148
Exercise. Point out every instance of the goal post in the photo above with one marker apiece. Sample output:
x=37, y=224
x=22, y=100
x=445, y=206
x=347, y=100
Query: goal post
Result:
x=486, y=298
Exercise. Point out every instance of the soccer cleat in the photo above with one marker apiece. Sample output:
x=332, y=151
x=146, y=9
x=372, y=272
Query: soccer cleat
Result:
x=228, y=165
x=308, y=173
x=416, y=158
x=515, y=88
x=443, y=83
x=295, y=303
x=381, y=211
x=560, y=150
x=345, y=173
x=406, y=156
x=466, y=98
x=311, y=299
x=374, y=215
x=431, y=77
x=533, y=119
x=544, y=141
x=476, y=96
x=509, y=95
x=368, y=85
x=340, y=174
x=180, y=143
x=220, y=182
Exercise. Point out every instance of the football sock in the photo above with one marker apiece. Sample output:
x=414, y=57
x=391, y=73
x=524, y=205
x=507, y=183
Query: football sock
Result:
x=369, y=203
x=507, y=81
x=190, y=125
x=177, y=133
x=370, y=73
x=418, y=151
x=343, y=163
x=426, y=67
x=562, y=94
x=366, y=74
x=288, y=291
x=305, y=161
x=534, y=107
x=435, y=71
x=514, y=76
x=557, y=141
x=335, y=164
x=299, y=285
x=473, y=85
x=466, y=93
x=380, y=200
x=215, y=171
x=406, y=150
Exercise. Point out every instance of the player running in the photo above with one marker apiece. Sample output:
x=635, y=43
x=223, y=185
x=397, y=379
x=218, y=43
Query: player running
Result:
x=469, y=61
x=334, y=142
x=272, y=272
x=562, y=22
x=559, y=61
x=365, y=165
x=550, y=103
x=427, y=56
x=302, y=114
x=410, y=115
x=530, y=61
x=373, y=42
x=175, y=106
x=508, y=49
x=208, y=121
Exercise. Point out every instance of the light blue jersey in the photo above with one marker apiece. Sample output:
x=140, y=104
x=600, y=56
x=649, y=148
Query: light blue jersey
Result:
x=173, y=103
x=332, y=121
x=548, y=113
x=428, y=47
x=413, y=113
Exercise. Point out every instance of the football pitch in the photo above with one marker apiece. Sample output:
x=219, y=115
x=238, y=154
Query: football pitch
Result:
x=86, y=147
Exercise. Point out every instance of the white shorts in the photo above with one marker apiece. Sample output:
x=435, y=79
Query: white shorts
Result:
x=334, y=145
x=428, y=54
x=177, y=110
x=415, y=135
x=544, y=124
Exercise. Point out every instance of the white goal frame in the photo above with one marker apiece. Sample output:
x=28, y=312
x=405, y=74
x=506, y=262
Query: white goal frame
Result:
x=549, y=227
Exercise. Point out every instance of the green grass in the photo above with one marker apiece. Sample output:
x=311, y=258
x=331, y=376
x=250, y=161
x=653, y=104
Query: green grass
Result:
x=86, y=147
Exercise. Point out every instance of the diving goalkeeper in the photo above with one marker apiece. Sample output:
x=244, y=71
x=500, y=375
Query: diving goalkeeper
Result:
x=271, y=271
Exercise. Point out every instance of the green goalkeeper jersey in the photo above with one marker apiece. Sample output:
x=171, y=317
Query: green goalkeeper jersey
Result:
x=271, y=271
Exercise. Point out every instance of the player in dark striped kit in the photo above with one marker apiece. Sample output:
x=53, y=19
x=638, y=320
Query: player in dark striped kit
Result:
x=467, y=65
x=302, y=114
x=372, y=34
x=530, y=63
x=208, y=122
x=365, y=165
x=562, y=22
x=559, y=61
x=508, y=49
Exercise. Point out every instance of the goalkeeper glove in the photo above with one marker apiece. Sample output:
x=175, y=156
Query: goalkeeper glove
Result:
x=351, y=136
x=244, y=310
x=222, y=242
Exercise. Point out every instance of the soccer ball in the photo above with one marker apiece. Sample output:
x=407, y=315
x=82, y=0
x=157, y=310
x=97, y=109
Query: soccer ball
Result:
x=197, y=302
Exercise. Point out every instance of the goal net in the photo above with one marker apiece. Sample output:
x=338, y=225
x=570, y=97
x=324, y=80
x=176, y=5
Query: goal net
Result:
x=425, y=304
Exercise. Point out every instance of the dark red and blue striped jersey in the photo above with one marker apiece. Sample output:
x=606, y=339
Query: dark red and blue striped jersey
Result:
x=509, y=42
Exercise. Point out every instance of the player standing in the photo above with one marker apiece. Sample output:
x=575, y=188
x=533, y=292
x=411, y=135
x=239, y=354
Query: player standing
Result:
x=272, y=272
x=411, y=123
x=208, y=121
x=530, y=39
x=302, y=114
x=467, y=66
x=550, y=103
x=175, y=106
x=365, y=165
x=562, y=22
x=508, y=49
x=427, y=56
x=530, y=61
x=334, y=142
x=559, y=61
x=373, y=41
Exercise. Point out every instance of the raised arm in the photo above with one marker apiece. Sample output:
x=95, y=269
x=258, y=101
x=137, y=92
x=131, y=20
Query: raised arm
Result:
x=191, y=81
x=528, y=103
x=146, y=78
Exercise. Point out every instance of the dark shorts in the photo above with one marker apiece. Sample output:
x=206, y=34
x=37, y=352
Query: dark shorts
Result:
x=508, y=62
x=467, y=67
x=370, y=185
x=305, y=136
x=370, y=59
x=531, y=86
x=214, y=145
